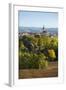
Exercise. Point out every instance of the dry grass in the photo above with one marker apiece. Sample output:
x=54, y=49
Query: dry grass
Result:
x=51, y=71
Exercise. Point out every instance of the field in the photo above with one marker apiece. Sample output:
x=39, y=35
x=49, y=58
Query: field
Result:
x=50, y=71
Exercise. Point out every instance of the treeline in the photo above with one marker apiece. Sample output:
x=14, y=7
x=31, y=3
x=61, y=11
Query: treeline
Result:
x=35, y=52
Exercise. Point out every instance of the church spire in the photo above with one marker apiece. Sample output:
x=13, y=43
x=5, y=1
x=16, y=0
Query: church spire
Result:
x=43, y=28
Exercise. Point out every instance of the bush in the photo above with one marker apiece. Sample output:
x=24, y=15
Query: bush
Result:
x=51, y=53
x=43, y=64
x=36, y=51
x=28, y=61
x=23, y=61
x=32, y=61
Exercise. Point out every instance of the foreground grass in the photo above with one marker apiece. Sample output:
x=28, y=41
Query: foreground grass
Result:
x=51, y=71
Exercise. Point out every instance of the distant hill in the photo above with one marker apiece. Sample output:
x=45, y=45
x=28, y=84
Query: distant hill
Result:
x=37, y=29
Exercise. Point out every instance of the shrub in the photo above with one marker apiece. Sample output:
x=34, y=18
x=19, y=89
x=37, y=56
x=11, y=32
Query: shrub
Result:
x=51, y=53
x=28, y=61
x=35, y=51
x=43, y=64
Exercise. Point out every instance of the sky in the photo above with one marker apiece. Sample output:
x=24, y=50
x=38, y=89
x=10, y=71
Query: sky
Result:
x=38, y=19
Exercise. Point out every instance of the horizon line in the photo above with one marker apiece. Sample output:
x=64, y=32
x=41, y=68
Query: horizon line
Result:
x=37, y=27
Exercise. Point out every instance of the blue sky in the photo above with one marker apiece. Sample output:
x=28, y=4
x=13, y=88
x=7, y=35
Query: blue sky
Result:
x=38, y=19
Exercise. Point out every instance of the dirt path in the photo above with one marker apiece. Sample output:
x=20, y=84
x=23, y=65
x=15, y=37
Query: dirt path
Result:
x=51, y=71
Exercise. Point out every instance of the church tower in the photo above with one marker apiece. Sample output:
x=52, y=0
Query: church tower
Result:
x=44, y=30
